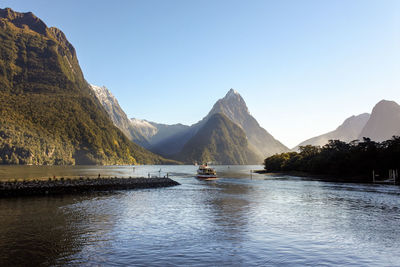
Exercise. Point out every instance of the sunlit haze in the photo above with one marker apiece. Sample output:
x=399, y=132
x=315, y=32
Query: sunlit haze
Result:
x=302, y=67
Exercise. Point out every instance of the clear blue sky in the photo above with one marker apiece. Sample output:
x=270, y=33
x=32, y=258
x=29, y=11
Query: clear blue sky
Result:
x=301, y=66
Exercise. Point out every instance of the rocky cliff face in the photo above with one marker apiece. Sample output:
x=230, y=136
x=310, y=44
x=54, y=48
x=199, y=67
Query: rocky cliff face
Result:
x=346, y=132
x=118, y=116
x=383, y=123
x=48, y=112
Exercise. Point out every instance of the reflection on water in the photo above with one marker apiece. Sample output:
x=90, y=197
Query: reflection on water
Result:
x=231, y=221
x=33, y=231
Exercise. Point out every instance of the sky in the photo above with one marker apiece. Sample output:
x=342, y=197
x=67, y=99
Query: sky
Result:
x=302, y=66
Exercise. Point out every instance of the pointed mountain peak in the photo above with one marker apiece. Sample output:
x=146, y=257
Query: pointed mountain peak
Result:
x=232, y=92
x=233, y=95
x=231, y=105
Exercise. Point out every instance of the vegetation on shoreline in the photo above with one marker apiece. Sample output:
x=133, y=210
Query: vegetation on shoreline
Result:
x=341, y=159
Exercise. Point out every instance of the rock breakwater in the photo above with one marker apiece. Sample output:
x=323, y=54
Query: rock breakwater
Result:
x=69, y=186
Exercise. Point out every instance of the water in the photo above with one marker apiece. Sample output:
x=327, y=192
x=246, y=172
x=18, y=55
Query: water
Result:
x=234, y=221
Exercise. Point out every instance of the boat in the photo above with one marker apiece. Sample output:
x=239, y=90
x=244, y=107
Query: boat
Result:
x=206, y=173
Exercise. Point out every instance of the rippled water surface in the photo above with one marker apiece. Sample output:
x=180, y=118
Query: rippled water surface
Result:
x=235, y=220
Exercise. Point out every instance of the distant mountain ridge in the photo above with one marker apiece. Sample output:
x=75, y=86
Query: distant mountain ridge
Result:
x=348, y=131
x=382, y=124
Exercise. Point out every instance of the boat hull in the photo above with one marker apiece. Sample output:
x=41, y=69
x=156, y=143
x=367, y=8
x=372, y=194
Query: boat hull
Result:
x=206, y=177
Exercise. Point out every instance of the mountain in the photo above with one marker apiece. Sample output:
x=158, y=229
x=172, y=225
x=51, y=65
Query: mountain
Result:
x=219, y=141
x=48, y=112
x=383, y=123
x=118, y=116
x=348, y=131
x=234, y=108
